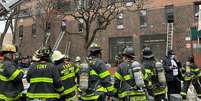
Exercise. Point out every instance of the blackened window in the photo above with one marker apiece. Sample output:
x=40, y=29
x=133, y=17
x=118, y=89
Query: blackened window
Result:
x=34, y=29
x=143, y=18
x=21, y=31
x=169, y=13
x=48, y=26
x=196, y=10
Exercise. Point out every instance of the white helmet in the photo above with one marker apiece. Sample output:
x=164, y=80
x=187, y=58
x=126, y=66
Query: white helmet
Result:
x=34, y=58
x=57, y=55
x=77, y=59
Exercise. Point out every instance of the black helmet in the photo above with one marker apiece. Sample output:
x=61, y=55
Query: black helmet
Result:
x=171, y=52
x=147, y=53
x=94, y=48
x=129, y=52
x=44, y=52
x=191, y=59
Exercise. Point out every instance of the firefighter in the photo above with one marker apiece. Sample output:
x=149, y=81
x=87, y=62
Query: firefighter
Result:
x=129, y=78
x=77, y=64
x=67, y=73
x=95, y=80
x=172, y=72
x=44, y=78
x=192, y=75
x=154, y=75
x=11, y=85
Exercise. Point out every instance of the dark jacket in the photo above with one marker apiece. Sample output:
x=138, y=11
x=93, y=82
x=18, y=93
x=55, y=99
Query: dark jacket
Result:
x=169, y=72
x=99, y=79
x=11, y=84
x=44, y=81
x=153, y=85
x=124, y=83
x=67, y=76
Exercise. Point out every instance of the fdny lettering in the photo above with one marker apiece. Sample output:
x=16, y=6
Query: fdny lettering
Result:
x=41, y=66
x=68, y=68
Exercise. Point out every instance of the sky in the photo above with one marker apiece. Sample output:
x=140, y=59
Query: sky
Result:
x=2, y=25
x=8, y=37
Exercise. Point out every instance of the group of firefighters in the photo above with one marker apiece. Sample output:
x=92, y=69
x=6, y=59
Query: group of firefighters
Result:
x=53, y=76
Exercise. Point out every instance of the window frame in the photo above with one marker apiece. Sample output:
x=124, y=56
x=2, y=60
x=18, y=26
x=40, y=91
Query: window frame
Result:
x=143, y=19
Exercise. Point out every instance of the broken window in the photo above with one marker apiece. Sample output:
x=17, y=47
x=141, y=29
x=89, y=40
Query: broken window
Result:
x=169, y=13
x=196, y=10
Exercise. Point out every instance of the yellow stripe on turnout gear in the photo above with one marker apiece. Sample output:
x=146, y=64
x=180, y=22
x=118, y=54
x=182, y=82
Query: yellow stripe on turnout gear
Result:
x=67, y=91
x=41, y=79
x=67, y=76
x=13, y=76
x=118, y=76
x=6, y=98
x=43, y=95
x=93, y=72
x=94, y=97
x=127, y=77
x=104, y=74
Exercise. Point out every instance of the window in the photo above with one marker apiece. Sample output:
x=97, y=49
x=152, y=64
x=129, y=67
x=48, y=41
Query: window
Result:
x=34, y=29
x=48, y=26
x=81, y=25
x=21, y=31
x=111, y=2
x=25, y=13
x=80, y=4
x=143, y=18
x=120, y=21
x=169, y=13
x=68, y=6
x=100, y=21
x=196, y=10
x=129, y=2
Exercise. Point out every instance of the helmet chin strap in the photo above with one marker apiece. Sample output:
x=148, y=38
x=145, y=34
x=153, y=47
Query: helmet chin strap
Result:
x=9, y=56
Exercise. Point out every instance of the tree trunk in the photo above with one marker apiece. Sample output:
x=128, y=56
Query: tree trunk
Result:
x=8, y=22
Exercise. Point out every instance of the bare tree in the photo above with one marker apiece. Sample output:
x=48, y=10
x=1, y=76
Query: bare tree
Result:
x=96, y=15
x=11, y=22
x=44, y=14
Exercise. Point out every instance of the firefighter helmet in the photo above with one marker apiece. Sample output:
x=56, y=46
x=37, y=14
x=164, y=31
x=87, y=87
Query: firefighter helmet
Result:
x=77, y=59
x=129, y=52
x=147, y=53
x=191, y=59
x=34, y=58
x=57, y=55
x=94, y=48
x=44, y=52
x=9, y=48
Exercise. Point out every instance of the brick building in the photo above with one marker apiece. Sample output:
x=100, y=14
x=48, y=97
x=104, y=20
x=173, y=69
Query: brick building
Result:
x=132, y=28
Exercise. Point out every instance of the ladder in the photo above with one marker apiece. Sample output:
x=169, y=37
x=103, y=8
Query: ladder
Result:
x=58, y=41
x=169, y=44
x=47, y=37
